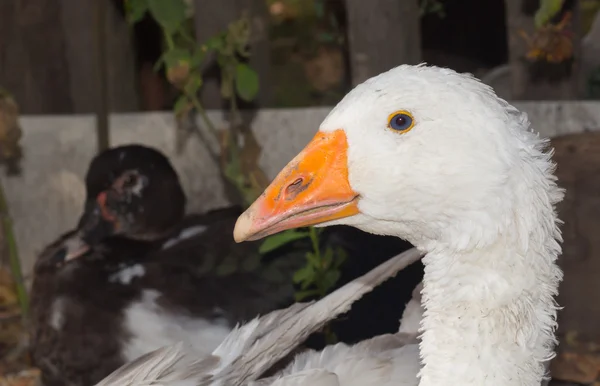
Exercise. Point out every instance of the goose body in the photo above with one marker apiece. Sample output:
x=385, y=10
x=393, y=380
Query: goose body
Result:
x=436, y=158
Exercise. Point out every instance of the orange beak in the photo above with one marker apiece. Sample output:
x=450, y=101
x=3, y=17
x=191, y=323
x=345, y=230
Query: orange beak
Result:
x=312, y=189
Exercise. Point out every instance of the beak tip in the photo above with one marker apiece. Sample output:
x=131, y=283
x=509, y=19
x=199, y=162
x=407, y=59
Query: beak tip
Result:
x=242, y=229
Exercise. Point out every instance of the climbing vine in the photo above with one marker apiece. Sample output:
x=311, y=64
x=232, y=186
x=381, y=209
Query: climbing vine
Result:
x=182, y=60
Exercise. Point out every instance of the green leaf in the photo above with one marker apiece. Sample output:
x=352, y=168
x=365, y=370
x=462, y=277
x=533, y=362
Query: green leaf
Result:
x=246, y=82
x=193, y=84
x=181, y=104
x=548, y=9
x=308, y=282
x=304, y=294
x=331, y=277
x=170, y=14
x=176, y=56
x=227, y=267
x=303, y=274
x=198, y=56
x=326, y=37
x=251, y=262
x=280, y=239
x=313, y=259
x=319, y=9
x=330, y=338
x=215, y=43
x=327, y=258
x=135, y=10
x=340, y=257
x=159, y=62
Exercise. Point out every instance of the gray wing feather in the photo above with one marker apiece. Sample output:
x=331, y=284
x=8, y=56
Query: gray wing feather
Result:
x=251, y=349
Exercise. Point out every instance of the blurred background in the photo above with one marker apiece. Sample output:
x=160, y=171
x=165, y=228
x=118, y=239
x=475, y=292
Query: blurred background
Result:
x=230, y=90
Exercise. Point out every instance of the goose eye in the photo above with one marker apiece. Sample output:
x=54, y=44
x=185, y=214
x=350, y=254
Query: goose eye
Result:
x=400, y=121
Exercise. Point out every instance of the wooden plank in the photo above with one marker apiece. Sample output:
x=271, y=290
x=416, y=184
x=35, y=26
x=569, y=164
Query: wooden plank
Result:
x=47, y=57
x=78, y=22
x=578, y=159
x=382, y=34
x=33, y=63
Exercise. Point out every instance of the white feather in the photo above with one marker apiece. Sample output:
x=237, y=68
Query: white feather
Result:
x=150, y=327
x=474, y=187
x=251, y=349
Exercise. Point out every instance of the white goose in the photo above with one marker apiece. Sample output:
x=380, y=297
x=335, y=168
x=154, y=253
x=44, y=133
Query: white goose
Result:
x=434, y=157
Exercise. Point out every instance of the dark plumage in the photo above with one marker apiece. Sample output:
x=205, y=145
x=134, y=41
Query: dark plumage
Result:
x=101, y=291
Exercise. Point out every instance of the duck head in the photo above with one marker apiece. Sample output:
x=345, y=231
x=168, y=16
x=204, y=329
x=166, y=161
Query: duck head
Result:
x=133, y=192
x=418, y=152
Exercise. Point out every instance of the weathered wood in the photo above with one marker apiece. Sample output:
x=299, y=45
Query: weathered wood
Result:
x=523, y=87
x=382, y=34
x=590, y=47
x=33, y=62
x=47, y=56
x=213, y=17
x=78, y=20
x=578, y=158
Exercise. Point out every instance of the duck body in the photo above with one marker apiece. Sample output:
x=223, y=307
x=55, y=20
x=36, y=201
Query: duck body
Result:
x=100, y=302
x=250, y=349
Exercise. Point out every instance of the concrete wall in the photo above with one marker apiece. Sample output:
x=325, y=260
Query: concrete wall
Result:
x=47, y=198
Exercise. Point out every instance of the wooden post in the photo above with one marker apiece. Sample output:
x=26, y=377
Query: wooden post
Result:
x=102, y=126
x=33, y=63
x=47, y=57
x=78, y=21
x=213, y=17
x=382, y=34
x=523, y=87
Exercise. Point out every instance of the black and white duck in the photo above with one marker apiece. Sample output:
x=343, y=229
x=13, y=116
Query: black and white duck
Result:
x=137, y=274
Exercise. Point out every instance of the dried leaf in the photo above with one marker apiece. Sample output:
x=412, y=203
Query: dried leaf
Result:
x=548, y=9
x=551, y=43
x=576, y=367
x=29, y=377
x=10, y=130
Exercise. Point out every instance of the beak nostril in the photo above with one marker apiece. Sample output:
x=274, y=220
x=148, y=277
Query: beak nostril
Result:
x=295, y=187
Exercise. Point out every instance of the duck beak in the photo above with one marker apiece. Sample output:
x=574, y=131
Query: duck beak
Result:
x=98, y=222
x=312, y=189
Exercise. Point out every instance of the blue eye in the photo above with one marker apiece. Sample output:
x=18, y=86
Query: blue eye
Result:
x=400, y=121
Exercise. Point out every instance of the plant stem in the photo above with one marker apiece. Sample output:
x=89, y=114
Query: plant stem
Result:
x=169, y=40
x=187, y=37
x=314, y=238
x=13, y=255
x=203, y=115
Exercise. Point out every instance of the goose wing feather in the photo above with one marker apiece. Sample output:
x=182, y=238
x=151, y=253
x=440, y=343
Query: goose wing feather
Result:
x=251, y=349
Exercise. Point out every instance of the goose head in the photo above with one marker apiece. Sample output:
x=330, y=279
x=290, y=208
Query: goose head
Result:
x=423, y=153
x=132, y=192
